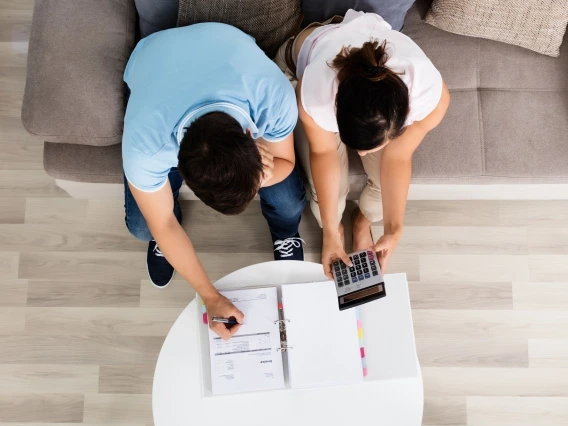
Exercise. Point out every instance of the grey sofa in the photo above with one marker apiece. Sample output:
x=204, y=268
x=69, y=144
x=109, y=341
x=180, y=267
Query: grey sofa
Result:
x=507, y=123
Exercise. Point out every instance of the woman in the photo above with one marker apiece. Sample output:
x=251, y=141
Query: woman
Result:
x=361, y=85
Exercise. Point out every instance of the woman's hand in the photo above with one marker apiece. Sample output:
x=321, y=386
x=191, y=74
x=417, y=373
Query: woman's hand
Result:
x=332, y=250
x=219, y=306
x=384, y=248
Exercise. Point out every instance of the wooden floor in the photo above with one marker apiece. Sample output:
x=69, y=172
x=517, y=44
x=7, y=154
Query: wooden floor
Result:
x=81, y=327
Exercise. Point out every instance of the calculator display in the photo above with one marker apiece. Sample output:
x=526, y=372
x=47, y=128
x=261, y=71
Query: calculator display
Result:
x=363, y=293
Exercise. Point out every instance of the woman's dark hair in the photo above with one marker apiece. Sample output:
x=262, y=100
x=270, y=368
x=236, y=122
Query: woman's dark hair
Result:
x=372, y=100
x=220, y=163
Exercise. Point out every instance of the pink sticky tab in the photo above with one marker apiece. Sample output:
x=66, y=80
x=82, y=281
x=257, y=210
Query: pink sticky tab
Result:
x=359, y=324
x=362, y=352
x=205, y=319
x=364, y=372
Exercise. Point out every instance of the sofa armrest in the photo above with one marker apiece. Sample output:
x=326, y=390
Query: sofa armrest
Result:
x=77, y=54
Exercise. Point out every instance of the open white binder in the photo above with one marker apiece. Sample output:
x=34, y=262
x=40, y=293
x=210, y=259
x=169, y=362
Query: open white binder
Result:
x=321, y=346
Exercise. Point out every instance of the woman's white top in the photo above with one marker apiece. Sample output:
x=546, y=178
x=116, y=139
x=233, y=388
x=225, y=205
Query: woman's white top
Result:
x=319, y=80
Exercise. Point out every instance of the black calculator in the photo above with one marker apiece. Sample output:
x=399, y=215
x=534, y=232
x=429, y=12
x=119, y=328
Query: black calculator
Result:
x=361, y=283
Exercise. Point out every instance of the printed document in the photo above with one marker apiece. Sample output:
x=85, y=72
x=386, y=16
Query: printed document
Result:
x=249, y=361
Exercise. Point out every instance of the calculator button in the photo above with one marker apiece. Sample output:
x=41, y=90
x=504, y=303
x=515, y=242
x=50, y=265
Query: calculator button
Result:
x=375, y=273
x=351, y=268
x=339, y=284
x=365, y=265
x=354, y=279
x=357, y=262
x=356, y=256
x=367, y=275
x=353, y=274
x=361, y=277
x=359, y=269
x=365, y=270
x=372, y=262
x=351, y=258
x=369, y=252
x=363, y=254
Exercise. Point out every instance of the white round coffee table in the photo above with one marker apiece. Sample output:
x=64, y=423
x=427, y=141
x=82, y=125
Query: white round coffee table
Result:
x=177, y=391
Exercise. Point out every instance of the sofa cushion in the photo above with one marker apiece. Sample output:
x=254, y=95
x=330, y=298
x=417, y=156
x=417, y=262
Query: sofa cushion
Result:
x=392, y=11
x=83, y=163
x=156, y=15
x=270, y=22
x=536, y=25
x=508, y=115
x=77, y=53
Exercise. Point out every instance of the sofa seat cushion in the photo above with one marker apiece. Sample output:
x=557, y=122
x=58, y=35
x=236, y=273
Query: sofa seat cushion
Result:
x=77, y=53
x=508, y=115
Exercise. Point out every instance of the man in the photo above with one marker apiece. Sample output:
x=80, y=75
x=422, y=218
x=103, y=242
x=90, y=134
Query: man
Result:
x=209, y=108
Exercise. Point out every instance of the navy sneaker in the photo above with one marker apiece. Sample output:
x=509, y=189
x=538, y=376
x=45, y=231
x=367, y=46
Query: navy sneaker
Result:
x=288, y=249
x=159, y=269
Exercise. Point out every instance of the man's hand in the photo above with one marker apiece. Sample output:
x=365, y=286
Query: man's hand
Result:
x=267, y=163
x=332, y=250
x=220, y=306
x=385, y=247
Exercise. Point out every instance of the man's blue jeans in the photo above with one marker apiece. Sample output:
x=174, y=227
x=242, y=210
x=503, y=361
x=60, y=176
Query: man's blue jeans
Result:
x=282, y=205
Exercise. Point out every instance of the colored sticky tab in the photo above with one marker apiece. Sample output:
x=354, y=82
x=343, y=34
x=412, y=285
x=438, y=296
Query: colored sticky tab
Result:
x=205, y=319
x=360, y=332
x=364, y=362
x=359, y=323
x=364, y=372
x=362, y=352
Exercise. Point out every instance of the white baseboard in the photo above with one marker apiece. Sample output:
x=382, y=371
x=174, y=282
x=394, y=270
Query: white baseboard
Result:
x=83, y=190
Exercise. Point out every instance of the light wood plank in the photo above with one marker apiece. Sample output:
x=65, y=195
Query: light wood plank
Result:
x=463, y=240
x=57, y=237
x=533, y=213
x=41, y=408
x=514, y=324
x=55, y=211
x=543, y=296
x=21, y=156
x=14, y=292
x=9, y=262
x=444, y=411
x=112, y=321
x=548, y=268
x=453, y=381
x=548, y=353
x=472, y=352
x=79, y=293
x=118, y=407
x=131, y=379
x=13, y=131
x=77, y=424
x=76, y=266
x=432, y=295
x=12, y=320
x=14, y=54
x=452, y=213
x=12, y=210
x=491, y=411
x=477, y=268
x=177, y=294
x=96, y=350
x=39, y=378
x=28, y=183
x=548, y=240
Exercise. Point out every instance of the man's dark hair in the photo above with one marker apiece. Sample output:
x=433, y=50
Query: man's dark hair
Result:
x=372, y=100
x=220, y=163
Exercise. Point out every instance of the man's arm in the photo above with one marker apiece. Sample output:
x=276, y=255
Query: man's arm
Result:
x=396, y=171
x=157, y=208
x=283, y=157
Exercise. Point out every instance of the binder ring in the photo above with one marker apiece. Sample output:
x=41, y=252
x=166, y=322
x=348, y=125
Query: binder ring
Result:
x=281, y=321
x=284, y=348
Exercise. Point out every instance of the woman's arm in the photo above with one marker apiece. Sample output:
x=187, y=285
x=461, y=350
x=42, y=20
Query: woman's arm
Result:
x=326, y=174
x=396, y=171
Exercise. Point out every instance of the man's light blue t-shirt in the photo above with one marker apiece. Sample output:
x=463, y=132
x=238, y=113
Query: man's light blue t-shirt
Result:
x=178, y=75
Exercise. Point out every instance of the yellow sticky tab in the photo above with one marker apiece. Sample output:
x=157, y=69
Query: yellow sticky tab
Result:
x=360, y=332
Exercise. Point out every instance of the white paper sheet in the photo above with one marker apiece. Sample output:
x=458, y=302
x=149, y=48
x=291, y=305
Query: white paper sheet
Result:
x=249, y=360
x=324, y=341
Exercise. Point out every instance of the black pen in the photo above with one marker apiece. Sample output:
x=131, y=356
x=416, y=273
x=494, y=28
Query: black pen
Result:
x=228, y=321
